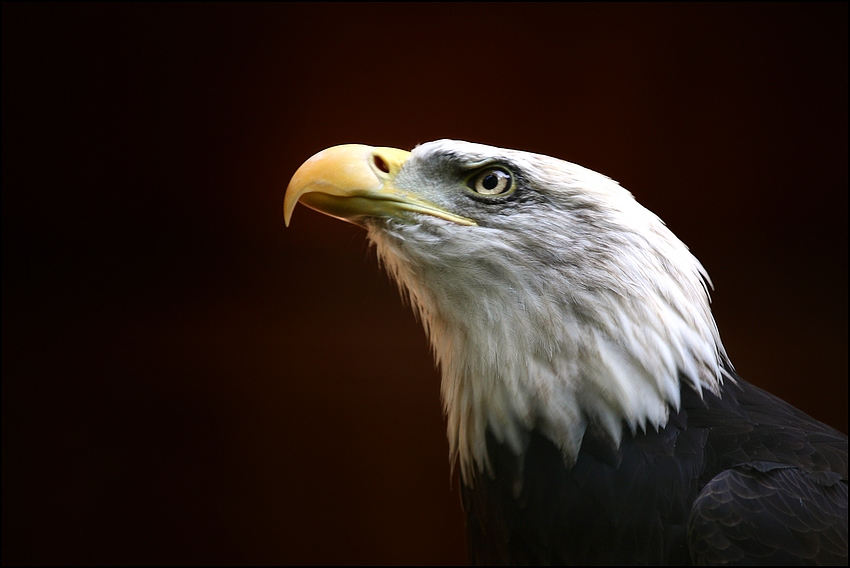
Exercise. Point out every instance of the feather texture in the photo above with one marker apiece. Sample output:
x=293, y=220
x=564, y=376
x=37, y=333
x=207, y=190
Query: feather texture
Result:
x=569, y=303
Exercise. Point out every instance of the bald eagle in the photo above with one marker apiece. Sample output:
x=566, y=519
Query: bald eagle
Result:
x=591, y=406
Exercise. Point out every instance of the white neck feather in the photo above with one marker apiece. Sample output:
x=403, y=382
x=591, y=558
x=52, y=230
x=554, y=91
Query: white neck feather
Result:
x=602, y=337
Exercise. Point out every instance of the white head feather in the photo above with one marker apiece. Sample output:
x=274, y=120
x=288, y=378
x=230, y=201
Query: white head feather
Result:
x=569, y=305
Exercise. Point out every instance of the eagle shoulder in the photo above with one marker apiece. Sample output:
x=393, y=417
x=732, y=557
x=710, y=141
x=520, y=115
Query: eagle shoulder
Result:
x=730, y=478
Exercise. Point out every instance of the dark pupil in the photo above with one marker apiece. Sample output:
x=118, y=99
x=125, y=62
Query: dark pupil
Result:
x=490, y=181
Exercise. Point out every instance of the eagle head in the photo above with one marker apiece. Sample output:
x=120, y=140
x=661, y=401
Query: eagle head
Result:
x=551, y=298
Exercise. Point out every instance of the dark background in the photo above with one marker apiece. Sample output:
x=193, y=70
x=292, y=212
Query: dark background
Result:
x=185, y=381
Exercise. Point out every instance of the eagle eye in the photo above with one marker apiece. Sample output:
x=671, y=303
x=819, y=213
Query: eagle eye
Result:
x=491, y=181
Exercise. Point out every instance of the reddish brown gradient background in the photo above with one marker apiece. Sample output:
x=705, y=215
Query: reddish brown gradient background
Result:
x=186, y=381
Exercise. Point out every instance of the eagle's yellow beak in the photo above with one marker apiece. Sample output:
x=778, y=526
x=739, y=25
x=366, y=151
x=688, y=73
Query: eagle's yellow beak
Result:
x=353, y=182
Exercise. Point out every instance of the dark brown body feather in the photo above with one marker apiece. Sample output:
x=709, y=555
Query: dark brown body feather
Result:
x=744, y=478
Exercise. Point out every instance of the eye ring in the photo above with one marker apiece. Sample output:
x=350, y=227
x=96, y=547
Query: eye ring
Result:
x=492, y=181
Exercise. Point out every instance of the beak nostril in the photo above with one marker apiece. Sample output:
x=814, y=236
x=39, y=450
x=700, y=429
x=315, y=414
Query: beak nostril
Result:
x=381, y=164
